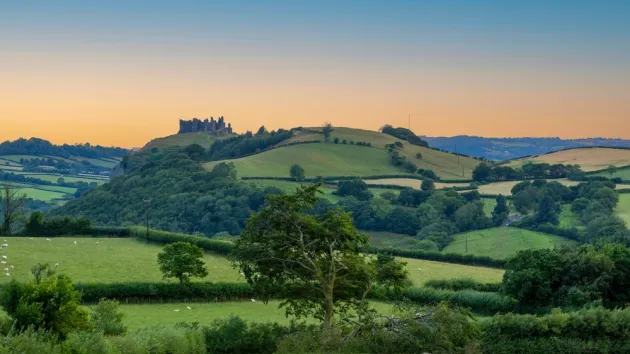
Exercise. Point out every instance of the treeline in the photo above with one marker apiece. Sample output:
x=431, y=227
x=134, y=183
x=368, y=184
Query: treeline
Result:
x=246, y=144
x=486, y=173
x=35, y=146
x=404, y=134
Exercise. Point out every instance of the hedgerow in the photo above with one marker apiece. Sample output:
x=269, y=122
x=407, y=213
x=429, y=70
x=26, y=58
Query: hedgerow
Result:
x=463, y=284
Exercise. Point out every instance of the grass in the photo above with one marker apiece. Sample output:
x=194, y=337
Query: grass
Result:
x=502, y=242
x=5, y=162
x=623, y=208
x=141, y=316
x=17, y=158
x=99, y=162
x=488, y=205
x=383, y=239
x=567, y=218
x=44, y=195
x=590, y=159
x=203, y=139
x=112, y=260
x=125, y=260
x=623, y=173
x=53, y=177
x=346, y=159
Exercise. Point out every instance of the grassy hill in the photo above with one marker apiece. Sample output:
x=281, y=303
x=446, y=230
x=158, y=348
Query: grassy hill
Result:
x=623, y=208
x=502, y=242
x=590, y=159
x=203, y=139
x=346, y=159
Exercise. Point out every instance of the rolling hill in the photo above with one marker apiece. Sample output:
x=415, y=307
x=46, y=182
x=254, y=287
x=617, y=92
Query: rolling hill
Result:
x=339, y=159
x=589, y=159
x=203, y=139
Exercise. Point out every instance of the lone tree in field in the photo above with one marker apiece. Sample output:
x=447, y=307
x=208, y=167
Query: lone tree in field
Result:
x=327, y=129
x=12, y=203
x=297, y=172
x=427, y=185
x=182, y=260
x=311, y=261
x=501, y=211
x=611, y=170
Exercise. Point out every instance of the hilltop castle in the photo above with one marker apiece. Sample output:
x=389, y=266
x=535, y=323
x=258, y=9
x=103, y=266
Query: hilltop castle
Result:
x=215, y=127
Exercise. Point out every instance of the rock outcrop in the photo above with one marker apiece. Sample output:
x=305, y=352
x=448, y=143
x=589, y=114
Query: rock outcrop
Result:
x=216, y=127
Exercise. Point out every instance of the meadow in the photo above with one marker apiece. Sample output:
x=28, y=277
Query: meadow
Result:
x=203, y=139
x=623, y=173
x=589, y=159
x=502, y=242
x=623, y=208
x=40, y=194
x=113, y=260
x=349, y=160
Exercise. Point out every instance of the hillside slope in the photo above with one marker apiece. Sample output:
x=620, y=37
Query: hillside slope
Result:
x=589, y=159
x=203, y=139
x=330, y=159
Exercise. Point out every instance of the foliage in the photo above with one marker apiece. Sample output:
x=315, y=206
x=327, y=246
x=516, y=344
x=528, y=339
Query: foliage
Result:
x=313, y=260
x=297, y=172
x=107, y=318
x=37, y=225
x=478, y=301
x=354, y=187
x=427, y=185
x=35, y=146
x=244, y=145
x=463, y=284
x=182, y=260
x=403, y=134
x=48, y=302
x=500, y=212
x=327, y=129
x=486, y=173
x=12, y=203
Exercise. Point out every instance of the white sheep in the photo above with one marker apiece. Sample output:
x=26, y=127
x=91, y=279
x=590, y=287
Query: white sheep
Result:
x=188, y=307
x=56, y=265
x=6, y=270
x=5, y=245
x=4, y=257
x=97, y=242
x=75, y=242
x=48, y=239
x=253, y=300
x=12, y=267
x=7, y=274
x=3, y=262
x=30, y=238
x=176, y=310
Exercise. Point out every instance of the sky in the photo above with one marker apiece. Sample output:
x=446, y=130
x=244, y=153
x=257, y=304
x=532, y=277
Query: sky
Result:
x=123, y=72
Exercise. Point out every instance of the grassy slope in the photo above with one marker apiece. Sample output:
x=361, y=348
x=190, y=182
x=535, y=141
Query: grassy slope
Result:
x=122, y=260
x=623, y=173
x=40, y=194
x=488, y=205
x=339, y=159
x=589, y=159
x=623, y=208
x=567, y=218
x=202, y=139
x=502, y=242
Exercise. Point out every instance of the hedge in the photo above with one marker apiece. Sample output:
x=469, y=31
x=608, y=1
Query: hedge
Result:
x=463, y=284
x=555, y=345
x=165, y=237
x=467, y=259
x=165, y=292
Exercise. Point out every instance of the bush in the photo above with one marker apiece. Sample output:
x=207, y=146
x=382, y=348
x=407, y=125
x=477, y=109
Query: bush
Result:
x=503, y=345
x=164, y=237
x=91, y=342
x=107, y=319
x=456, y=258
x=29, y=341
x=463, y=284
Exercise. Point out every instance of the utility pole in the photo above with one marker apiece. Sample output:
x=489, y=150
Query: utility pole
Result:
x=466, y=243
x=148, y=201
x=456, y=154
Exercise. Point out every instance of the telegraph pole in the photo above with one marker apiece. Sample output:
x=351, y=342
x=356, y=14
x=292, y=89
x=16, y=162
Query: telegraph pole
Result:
x=148, y=201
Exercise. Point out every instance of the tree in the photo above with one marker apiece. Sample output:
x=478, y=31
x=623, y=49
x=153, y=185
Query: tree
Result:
x=48, y=302
x=336, y=141
x=182, y=260
x=419, y=155
x=327, y=129
x=471, y=217
x=107, y=317
x=427, y=185
x=261, y=131
x=311, y=261
x=196, y=152
x=611, y=170
x=482, y=172
x=61, y=181
x=355, y=187
x=501, y=211
x=410, y=166
x=297, y=172
x=547, y=211
x=12, y=203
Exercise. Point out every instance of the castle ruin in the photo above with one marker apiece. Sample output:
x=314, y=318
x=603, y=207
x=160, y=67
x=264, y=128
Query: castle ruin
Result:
x=215, y=127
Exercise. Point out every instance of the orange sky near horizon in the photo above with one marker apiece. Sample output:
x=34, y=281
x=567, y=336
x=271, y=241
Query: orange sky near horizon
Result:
x=121, y=74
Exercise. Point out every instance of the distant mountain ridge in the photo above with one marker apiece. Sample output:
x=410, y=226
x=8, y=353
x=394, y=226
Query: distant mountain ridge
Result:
x=501, y=149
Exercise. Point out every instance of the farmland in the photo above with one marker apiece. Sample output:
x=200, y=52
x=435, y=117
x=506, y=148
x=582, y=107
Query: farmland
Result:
x=412, y=183
x=589, y=159
x=203, y=139
x=623, y=208
x=505, y=188
x=502, y=242
x=349, y=160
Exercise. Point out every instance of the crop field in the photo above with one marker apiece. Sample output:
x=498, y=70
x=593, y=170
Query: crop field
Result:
x=412, y=183
x=623, y=208
x=138, y=316
x=502, y=242
x=591, y=159
x=505, y=188
x=350, y=160
x=6, y=168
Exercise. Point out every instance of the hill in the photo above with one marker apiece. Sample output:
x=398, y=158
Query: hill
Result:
x=501, y=149
x=589, y=159
x=348, y=159
x=502, y=242
x=201, y=138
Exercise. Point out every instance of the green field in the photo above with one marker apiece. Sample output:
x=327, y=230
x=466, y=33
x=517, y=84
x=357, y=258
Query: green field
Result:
x=99, y=162
x=115, y=260
x=349, y=160
x=40, y=194
x=203, y=139
x=567, y=218
x=488, y=205
x=502, y=242
x=5, y=162
x=623, y=173
x=383, y=239
x=138, y=316
x=623, y=208
x=17, y=158
x=53, y=177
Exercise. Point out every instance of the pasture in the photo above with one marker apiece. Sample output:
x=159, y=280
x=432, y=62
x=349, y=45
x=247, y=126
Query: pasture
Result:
x=589, y=159
x=114, y=260
x=502, y=242
x=505, y=188
x=412, y=183
x=384, y=239
x=137, y=316
x=623, y=208
x=203, y=139
x=40, y=194
x=349, y=160
x=54, y=177
x=623, y=173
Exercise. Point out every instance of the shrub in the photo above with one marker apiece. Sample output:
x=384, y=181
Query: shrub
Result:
x=456, y=258
x=91, y=342
x=463, y=284
x=107, y=319
x=29, y=341
x=161, y=340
